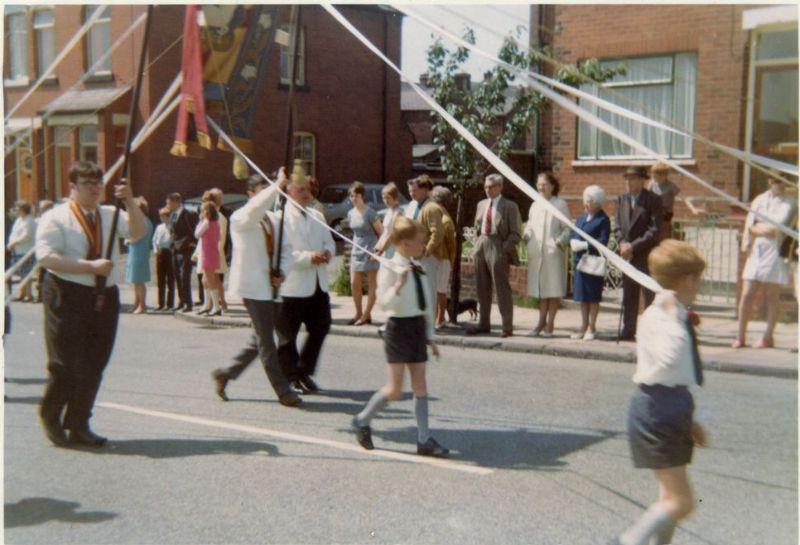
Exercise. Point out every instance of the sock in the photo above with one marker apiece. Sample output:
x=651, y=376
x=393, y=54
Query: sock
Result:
x=206, y=300
x=377, y=402
x=664, y=534
x=652, y=522
x=421, y=412
x=214, y=295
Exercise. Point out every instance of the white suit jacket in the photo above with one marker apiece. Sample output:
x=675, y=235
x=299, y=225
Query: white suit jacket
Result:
x=251, y=264
x=307, y=237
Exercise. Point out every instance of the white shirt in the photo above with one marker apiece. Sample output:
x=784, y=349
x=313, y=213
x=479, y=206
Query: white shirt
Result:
x=23, y=233
x=60, y=233
x=307, y=237
x=663, y=344
x=412, y=208
x=162, y=239
x=403, y=303
x=250, y=265
x=495, y=217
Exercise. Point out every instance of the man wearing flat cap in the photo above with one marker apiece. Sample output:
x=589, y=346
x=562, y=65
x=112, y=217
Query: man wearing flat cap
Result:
x=639, y=219
x=661, y=185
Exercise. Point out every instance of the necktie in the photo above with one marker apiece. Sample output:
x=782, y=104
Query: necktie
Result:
x=698, y=365
x=416, y=212
x=416, y=270
x=487, y=228
x=90, y=219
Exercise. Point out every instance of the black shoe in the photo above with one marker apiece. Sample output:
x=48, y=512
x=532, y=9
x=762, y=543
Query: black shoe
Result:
x=86, y=438
x=177, y=309
x=160, y=308
x=309, y=385
x=432, y=448
x=478, y=331
x=297, y=387
x=629, y=338
x=220, y=380
x=363, y=434
x=290, y=399
x=186, y=310
x=54, y=431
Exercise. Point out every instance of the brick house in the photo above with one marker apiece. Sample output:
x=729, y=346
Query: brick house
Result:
x=348, y=123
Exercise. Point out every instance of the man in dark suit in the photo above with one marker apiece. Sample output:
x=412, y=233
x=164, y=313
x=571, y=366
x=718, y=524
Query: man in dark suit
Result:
x=182, y=225
x=639, y=217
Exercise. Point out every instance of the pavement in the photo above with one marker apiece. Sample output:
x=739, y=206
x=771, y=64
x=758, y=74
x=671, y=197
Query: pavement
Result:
x=717, y=329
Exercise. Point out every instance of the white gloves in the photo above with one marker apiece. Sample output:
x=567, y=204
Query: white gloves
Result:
x=578, y=245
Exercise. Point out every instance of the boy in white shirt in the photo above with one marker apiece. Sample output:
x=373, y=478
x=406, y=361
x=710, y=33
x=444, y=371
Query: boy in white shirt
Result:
x=409, y=330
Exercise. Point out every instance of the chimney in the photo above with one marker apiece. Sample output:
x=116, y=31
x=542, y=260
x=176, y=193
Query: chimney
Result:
x=463, y=82
x=423, y=79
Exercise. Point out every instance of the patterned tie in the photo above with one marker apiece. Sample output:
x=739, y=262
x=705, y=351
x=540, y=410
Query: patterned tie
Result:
x=90, y=219
x=416, y=270
x=487, y=227
x=698, y=365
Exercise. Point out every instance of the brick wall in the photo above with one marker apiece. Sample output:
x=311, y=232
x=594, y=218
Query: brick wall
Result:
x=518, y=278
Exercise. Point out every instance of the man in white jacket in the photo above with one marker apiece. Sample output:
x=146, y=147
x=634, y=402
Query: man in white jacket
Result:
x=253, y=228
x=305, y=292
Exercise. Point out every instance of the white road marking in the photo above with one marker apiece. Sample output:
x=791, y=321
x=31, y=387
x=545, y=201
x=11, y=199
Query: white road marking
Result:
x=400, y=456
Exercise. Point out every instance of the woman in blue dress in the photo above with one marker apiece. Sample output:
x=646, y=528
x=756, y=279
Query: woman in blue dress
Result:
x=587, y=289
x=137, y=271
x=367, y=228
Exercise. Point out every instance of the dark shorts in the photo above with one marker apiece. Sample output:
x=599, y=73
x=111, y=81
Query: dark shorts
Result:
x=659, y=426
x=405, y=340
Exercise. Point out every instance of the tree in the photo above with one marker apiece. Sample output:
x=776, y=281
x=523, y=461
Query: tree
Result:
x=480, y=111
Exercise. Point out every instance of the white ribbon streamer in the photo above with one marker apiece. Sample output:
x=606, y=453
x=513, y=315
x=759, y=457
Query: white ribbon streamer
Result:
x=64, y=52
x=597, y=122
x=382, y=260
x=21, y=261
x=502, y=167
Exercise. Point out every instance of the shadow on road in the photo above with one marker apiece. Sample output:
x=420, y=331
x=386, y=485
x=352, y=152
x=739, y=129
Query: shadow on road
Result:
x=26, y=381
x=181, y=448
x=504, y=449
x=29, y=400
x=33, y=511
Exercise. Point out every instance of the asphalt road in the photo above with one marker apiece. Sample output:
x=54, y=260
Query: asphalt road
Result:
x=539, y=451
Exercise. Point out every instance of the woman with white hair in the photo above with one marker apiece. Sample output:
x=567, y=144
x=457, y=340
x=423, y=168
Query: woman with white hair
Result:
x=587, y=288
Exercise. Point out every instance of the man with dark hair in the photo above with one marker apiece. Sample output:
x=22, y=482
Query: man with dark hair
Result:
x=182, y=226
x=423, y=209
x=639, y=218
x=80, y=324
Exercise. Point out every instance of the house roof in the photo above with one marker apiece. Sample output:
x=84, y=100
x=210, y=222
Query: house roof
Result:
x=410, y=101
x=421, y=150
x=86, y=100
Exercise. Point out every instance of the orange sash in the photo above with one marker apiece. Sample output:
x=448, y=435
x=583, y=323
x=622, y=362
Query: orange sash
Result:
x=269, y=236
x=95, y=236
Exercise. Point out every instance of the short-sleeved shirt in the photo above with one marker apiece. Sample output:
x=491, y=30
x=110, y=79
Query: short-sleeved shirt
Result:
x=60, y=233
x=667, y=191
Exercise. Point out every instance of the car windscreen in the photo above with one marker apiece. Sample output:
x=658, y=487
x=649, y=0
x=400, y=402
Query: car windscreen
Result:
x=333, y=194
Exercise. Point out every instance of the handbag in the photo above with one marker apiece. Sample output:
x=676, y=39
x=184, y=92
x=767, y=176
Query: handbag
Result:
x=594, y=265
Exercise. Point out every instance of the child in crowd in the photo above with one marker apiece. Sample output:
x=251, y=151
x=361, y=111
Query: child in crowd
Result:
x=661, y=429
x=408, y=304
x=208, y=232
x=162, y=244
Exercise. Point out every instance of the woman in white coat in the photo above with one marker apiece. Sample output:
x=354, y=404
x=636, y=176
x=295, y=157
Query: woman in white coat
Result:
x=548, y=239
x=765, y=267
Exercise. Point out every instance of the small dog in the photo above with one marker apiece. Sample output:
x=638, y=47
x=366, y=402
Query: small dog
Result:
x=465, y=305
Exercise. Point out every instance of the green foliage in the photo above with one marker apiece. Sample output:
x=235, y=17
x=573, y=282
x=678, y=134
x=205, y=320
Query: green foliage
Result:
x=480, y=109
x=341, y=285
x=526, y=302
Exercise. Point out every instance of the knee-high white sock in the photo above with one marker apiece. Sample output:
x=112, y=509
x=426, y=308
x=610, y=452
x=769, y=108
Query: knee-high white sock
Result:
x=664, y=534
x=377, y=402
x=651, y=523
x=421, y=412
x=214, y=295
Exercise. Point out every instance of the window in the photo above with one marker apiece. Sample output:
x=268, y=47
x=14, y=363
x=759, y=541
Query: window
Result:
x=661, y=88
x=98, y=39
x=62, y=139
x=305, y=149
x=286, y=58
x=43, y=28
x=88, y=143
x=17, y=42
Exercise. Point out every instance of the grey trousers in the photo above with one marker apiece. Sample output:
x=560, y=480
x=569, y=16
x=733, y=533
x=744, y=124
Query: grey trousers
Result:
x=491, y=271
x=261, y=345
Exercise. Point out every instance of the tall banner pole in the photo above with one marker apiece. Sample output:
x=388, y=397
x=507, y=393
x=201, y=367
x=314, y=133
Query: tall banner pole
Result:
x=100, y=281
x=276, y=270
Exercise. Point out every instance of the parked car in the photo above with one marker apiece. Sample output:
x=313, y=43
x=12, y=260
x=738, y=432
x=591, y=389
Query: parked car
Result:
x=336, y=202
x=231, y=201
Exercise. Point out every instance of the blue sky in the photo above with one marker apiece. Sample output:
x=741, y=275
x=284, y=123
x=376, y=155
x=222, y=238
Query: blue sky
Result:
x=417, y=37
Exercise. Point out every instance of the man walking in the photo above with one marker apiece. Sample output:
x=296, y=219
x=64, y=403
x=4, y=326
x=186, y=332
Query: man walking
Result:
x=305, y=291
x=182, y=226
x=639, y=217
x=254, y=247
x=80, y=323
x=497, y=221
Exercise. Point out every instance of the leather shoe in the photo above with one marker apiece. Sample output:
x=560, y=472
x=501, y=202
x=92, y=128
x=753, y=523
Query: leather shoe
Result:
x=363, y=434
x=432, y=448
x=297, y=387
x=86, y=438
x=477, y=331
x=309, y=385
x=290, y=399
x=505, y=334
x=220, y=381
x=54, y=431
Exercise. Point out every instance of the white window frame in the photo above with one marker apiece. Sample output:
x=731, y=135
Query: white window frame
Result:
x=104, y=19
x=15, y=80
x=38, y=28
x=608, y=159
x=301, y=57
x=83, y=145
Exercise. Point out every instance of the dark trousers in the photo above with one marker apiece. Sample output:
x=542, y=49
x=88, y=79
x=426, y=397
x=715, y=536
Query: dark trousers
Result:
x=182, y=265
x=79, y=342
x=165, y=275
x=262, y=346
x=630, y=300
x=315, y=313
